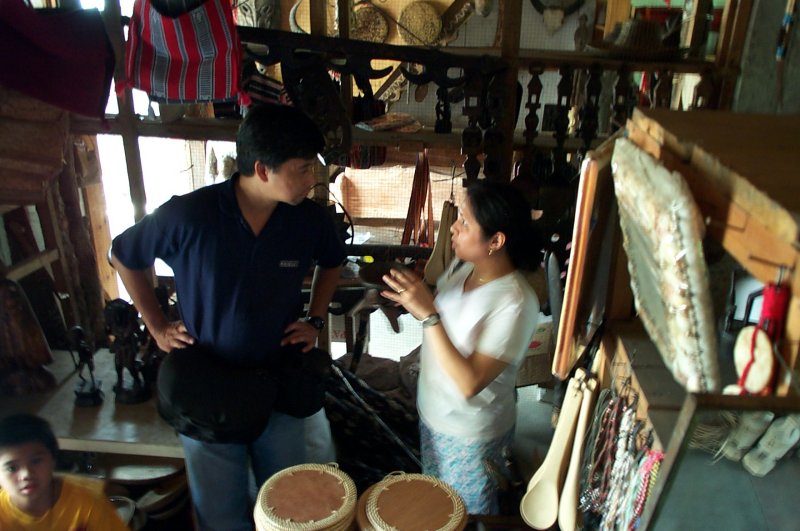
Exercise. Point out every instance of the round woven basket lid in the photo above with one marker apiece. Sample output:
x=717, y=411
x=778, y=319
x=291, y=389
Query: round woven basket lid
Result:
x=419, y=24
x=409, y=502
x=306, y=497
x=369, y=24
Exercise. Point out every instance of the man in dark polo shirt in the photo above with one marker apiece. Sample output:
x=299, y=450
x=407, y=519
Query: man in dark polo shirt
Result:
x=239, y=251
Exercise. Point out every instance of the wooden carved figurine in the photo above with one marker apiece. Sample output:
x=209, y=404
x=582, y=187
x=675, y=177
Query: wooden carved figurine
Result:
x=122, y=322
x=443, y=124
x=87, y=393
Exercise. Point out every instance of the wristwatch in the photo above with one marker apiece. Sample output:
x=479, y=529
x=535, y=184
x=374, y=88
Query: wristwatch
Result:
x=432, y=320
x=317, y=322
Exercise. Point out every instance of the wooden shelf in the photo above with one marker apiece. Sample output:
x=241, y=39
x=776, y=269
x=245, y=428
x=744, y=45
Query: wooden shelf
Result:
x=224, y=129
x=659, y=397
x=741, y=169
x=131, y=429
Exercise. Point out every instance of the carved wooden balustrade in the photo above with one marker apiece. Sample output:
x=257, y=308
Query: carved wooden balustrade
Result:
x=306, y=61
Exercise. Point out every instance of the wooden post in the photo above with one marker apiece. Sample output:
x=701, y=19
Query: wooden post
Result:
x=80, y=257
x=95, y=201
x=730, y=47
x=509, y=51
x=127, y=117
x=617, y=11
x=50, y=216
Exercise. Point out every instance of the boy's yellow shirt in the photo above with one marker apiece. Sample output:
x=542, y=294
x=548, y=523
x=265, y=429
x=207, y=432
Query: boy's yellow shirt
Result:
x=78, y=509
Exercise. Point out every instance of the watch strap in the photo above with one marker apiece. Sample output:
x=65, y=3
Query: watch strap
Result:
x=317, y=322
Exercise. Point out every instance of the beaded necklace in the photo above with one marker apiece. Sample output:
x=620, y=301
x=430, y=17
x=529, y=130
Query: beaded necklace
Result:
x=594, y=496
x=643, y=482
x=618, y=479
x=592, y=447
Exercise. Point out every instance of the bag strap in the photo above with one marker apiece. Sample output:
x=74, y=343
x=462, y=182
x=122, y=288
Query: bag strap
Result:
x=415, y=229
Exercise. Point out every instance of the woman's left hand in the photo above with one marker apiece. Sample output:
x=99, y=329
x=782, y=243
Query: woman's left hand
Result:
x=409, y=291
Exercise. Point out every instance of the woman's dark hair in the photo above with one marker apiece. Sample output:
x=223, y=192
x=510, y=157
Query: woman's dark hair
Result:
x=24, y=428
x=499, y=207
x=274, y=134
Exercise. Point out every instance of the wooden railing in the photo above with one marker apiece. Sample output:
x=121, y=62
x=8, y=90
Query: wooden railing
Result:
x=306, y=61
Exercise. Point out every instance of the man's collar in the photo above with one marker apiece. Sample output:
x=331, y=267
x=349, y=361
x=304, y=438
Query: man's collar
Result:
x=227, y=198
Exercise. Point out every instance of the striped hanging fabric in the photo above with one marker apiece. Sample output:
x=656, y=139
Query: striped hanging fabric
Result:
x=193, y=57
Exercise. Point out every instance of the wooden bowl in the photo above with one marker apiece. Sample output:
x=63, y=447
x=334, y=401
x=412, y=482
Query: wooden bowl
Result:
x=371, y=275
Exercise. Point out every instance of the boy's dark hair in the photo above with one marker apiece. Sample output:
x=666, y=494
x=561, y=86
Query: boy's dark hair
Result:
x=274, y=134
x=24, y=428
x=500, y=207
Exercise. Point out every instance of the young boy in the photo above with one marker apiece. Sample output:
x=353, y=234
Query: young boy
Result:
x=31, y=498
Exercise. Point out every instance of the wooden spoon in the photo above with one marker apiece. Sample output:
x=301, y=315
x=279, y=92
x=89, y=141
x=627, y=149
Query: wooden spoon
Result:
x=568, y=504
x=539, y=506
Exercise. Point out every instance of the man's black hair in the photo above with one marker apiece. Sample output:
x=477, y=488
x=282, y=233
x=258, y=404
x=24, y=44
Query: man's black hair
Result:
x=274, y=134
x=22, y=428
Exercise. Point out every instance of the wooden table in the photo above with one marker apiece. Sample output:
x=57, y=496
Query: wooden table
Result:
x=131, y=429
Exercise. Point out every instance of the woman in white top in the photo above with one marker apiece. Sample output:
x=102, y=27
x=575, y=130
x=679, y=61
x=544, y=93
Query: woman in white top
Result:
x=476, y=331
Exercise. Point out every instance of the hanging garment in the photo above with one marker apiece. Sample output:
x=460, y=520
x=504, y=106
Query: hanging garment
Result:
x=193, y=57
x=36, y=62
x=419, y=227
x=443, y=252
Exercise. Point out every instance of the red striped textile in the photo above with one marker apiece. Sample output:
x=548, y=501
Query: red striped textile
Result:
x=193, y=57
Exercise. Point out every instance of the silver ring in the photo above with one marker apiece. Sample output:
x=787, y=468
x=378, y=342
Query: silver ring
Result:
x=401, y=290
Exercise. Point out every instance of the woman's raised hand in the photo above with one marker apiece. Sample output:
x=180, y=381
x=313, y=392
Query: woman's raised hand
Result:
x=409, y=291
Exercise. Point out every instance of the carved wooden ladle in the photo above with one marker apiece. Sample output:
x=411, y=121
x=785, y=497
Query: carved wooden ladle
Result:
x=539, y=506
x=568, y=504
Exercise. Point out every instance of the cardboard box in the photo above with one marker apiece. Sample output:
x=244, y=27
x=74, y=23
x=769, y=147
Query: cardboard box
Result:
x=536, y=368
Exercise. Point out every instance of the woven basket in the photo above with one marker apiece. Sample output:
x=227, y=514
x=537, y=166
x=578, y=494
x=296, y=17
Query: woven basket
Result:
x=414, y=501
x=369, y=24
x=419, y=24
x=362, y=522
x=306, y=497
